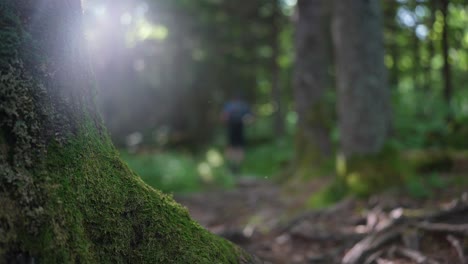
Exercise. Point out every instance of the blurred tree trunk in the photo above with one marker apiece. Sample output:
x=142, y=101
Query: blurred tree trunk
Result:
x=311, y=81
x=446, y=70
x=390, y=12
x=65, y=195
x=430, y=47
x=363, y=94
x=416, y=59
x=416, y=49
x=276, y=93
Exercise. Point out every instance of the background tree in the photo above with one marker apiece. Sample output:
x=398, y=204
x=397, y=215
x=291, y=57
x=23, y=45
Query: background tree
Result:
x=66, y=196
x=363, y=96
x=364, y=117
x=311, y=82
x=446, y=72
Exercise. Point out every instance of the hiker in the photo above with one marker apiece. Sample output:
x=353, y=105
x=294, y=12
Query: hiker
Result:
x=236, y=113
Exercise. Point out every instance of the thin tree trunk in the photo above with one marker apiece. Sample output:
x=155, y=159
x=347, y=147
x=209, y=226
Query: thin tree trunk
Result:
x=391, y=25
x=446, y=70
x=430, y=48
x=416, y=60
x=275, y=71
x=363, y=95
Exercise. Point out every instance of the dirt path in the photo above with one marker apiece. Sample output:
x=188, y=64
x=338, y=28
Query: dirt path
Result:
x=253, y=216
x=268, y=221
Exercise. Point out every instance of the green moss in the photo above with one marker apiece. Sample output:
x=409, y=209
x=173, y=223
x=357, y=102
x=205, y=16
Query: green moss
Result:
x=98, y=211
x=367, y=174
x=9, y=34
x=311, y=160
x=66, y=196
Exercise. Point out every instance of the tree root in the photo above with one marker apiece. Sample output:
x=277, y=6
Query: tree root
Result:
x=390, y=239
x=458, y=248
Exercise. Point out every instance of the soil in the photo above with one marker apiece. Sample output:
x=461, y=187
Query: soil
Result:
x=273, y=222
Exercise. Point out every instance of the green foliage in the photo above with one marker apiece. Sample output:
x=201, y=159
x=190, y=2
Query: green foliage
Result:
x=267, y=155
x=268, y=159
x=426, y=126
x=425, y=185
x=175, y=171
x=416, y=188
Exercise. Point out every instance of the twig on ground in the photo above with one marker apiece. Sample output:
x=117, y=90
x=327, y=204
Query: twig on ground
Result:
x=373, y=258
x=373, y=242
x=443, y=227
x=414, y=255
x=458, y=248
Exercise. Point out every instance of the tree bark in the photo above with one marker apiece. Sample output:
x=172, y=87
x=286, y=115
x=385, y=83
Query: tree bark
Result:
x=390, y=12
x=363, y=95
x=311, y=81
x=446, y=70
x=275, y=71
x=416, y=60
x=430, y=47
x=416, y=46
x=65, y=195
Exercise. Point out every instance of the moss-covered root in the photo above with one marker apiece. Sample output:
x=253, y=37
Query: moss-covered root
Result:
x=366, y=174
x=98, y=211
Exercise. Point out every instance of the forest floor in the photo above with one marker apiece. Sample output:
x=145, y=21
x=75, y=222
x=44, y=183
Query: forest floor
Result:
x=271, y=221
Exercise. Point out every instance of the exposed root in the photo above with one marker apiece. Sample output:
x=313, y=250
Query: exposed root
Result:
x=391, y=238
x=458, y=248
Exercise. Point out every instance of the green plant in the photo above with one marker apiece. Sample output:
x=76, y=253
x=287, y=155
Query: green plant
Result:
x=268, y=159
x=175, y=171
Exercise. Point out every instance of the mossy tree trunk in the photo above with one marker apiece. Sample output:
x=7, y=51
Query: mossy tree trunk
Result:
x=65, y=195
x=311, y=81
x=364, y=113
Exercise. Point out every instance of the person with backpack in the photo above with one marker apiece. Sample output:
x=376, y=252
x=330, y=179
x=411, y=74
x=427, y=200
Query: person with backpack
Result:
x=236, y=113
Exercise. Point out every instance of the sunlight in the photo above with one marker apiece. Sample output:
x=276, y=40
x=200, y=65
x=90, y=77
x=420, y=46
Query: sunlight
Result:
x=126, y=19
x=146, y=30
x=422, y=31
x=406, y=17
x=290, y=3
x=205, y=172
x=214, y=158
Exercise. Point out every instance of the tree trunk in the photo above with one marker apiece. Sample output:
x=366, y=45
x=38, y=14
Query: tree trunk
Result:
x=416, y=50
x=446, y=70
x=363, y=95
x=311, y=81
x=416, y=60
x=391, y=9
x=430, y=47
x=276, y=93
x=65, y=195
